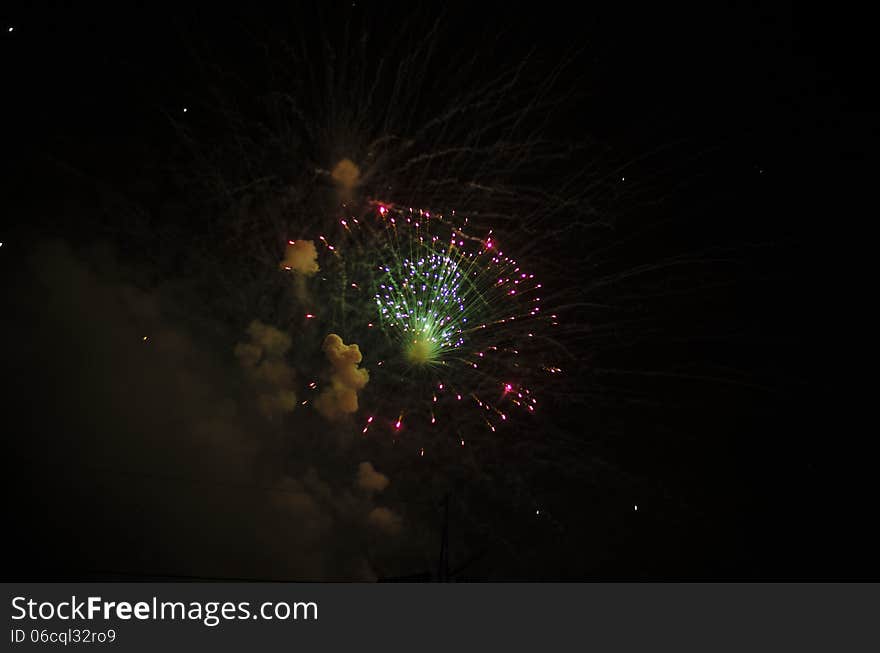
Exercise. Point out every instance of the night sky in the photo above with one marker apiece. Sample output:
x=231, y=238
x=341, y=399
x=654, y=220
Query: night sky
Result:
x=701, y=430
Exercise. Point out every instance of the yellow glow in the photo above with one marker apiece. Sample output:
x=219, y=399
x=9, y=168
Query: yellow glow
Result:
x=421, y=352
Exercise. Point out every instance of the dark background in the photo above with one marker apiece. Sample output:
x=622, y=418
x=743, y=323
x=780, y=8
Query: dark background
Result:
x=758, y=95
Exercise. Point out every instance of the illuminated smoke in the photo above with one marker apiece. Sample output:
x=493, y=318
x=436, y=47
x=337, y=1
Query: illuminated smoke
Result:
x=346, y=378
x=346, y=174
x=369, y=480
x=153, y=439
x=301, y=256
x=262, y=358
x=385, y=520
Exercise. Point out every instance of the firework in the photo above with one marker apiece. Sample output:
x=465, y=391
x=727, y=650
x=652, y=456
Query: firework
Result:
x=446, y=320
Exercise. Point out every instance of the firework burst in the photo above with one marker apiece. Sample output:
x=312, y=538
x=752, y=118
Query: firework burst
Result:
x=446, y=320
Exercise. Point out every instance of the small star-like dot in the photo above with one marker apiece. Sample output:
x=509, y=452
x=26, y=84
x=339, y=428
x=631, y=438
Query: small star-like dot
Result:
x=636, y=508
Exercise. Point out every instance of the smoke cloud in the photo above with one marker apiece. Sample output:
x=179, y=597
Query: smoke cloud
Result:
x=141, y=448
x=346, y=378
x=262, y=358
x=347, y=175
x=301, y=257
x=369, y=480
x=385, y=521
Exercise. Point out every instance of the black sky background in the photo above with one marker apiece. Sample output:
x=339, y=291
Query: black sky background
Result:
x=756, y=91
